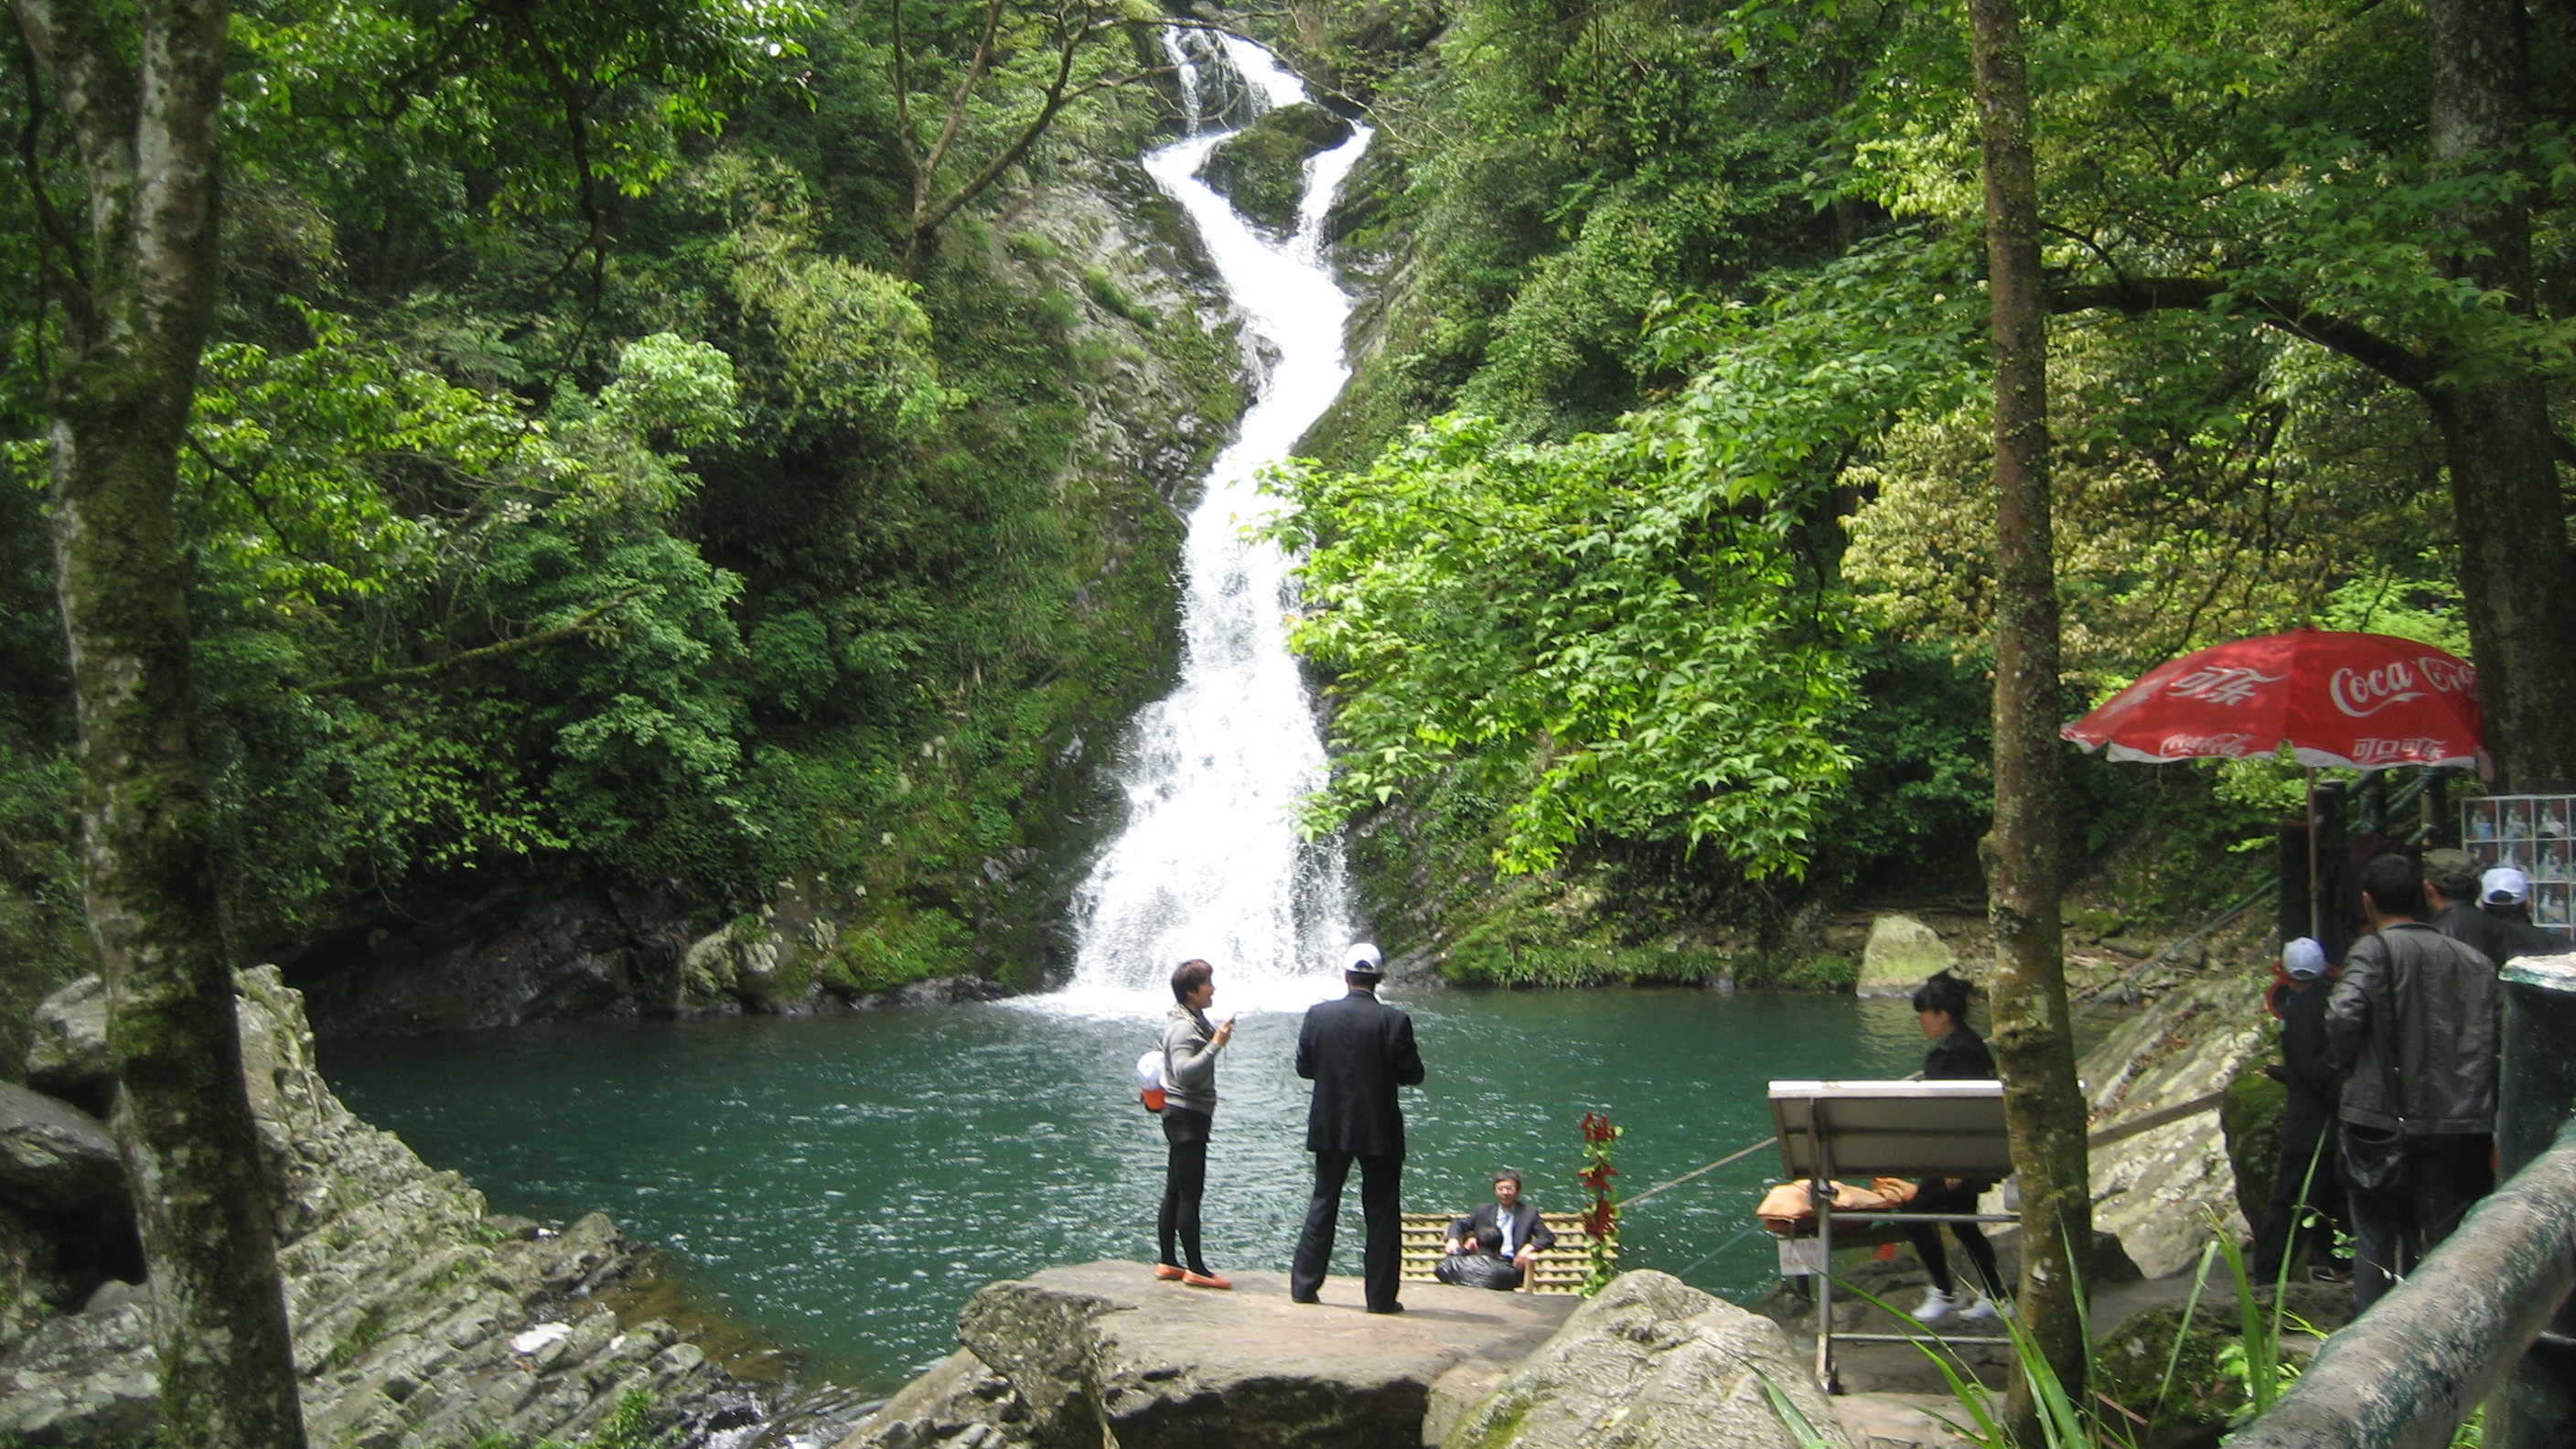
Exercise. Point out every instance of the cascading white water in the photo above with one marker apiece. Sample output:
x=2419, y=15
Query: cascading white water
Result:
x=1210, y=863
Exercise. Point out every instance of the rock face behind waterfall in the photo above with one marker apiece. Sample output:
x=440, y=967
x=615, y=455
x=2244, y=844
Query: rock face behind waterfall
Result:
x=1262, y=170
x=417, y=1317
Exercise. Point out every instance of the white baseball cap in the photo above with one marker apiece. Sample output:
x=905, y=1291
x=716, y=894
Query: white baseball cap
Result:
x=1363, y=958
x=2504, y=886
x=2304, y=959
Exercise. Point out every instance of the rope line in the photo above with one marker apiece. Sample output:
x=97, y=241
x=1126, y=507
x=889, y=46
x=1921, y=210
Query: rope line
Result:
x=1626, y=1202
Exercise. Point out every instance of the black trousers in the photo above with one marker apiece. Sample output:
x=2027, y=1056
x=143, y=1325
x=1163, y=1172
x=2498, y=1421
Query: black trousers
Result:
x=2393, y=1227
x=2307, y=1161
x=1185, y=1135
x=1381, y=1210
x=1933, y=1195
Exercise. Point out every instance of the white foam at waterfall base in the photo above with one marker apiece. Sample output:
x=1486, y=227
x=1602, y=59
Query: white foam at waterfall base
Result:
x=1211, y=863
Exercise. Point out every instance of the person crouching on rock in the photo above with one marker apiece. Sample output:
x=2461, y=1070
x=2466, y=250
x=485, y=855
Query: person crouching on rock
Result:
x=1494, y=1246
x=1190, y=1046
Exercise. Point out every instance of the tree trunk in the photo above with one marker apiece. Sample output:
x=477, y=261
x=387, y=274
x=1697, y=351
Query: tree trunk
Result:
x=2516, y=570
x=2034, y=1048
x=135, y=300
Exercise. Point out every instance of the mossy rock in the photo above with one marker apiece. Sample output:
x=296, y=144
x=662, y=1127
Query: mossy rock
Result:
x=2201, y=1391
x=1262, y=168
x=2249, y=1117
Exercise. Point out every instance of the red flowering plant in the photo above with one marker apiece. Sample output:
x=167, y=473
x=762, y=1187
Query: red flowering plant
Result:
x=1601, y=1221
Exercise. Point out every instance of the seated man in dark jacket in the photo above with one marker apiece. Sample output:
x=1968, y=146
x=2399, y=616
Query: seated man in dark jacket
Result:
x=1506, y=1228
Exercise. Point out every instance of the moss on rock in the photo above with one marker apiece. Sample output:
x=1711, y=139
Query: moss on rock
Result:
x=1262, y=169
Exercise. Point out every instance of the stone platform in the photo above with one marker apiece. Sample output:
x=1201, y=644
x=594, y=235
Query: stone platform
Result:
x=1069, y=1353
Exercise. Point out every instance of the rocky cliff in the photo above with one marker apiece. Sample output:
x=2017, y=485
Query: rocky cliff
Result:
x=418, y=1316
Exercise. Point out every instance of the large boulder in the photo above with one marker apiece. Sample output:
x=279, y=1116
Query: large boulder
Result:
x=68, y=1055
x=2165, y=1191
x=1101, y=1352
x=1652, y=1363
x=416, y=1318
x=54, y=1157
x=1902, y=951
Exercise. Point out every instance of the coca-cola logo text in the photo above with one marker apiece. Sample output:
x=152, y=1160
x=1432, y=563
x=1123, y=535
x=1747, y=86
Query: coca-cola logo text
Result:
x=2361, y=693
x=2222, y=684
x=2194, y=747
x=2372, y=753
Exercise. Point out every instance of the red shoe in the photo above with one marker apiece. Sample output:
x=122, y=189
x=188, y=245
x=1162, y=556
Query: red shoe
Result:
x=1168, y=1273
x=1206, y=1280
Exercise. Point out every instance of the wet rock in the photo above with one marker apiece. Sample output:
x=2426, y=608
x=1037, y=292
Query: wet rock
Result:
x=1262, y=169
x=515, y=954
x=957, y=1402
x=1651, y=1360
x=1902, y=951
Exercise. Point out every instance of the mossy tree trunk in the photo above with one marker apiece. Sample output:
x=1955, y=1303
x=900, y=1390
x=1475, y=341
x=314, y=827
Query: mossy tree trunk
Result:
x=138, y=92
x=2034, y=1047
x=2517, y=573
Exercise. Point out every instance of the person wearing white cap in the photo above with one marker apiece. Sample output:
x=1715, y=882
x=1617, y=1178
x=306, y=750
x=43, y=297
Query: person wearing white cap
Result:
x=2504, y=896
x=1356, y=1050
x=2306, y=1198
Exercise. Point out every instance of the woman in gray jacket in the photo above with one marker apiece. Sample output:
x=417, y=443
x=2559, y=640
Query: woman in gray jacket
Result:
x=1190, y=1046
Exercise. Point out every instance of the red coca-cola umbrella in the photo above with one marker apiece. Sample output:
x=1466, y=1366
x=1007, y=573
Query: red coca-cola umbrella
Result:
x=2365, y=701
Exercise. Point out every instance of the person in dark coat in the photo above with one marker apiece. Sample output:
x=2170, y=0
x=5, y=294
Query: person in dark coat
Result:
x=2412, y=1025
x=1957, y=1054
x=1356, y=1051
x=2504, y=898
x=2304, y=1185
x=1507, y=1228
x=2451, y=903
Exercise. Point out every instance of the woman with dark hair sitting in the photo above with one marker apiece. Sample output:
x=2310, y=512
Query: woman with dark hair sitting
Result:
x=1190, y=1046
x=1957, y=1054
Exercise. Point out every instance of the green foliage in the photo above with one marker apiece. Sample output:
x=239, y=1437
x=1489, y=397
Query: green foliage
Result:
x=1617, y=628
x=44, y=937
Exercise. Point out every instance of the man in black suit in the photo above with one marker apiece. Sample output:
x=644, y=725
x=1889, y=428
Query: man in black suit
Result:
x=1512, y=1226
x=1356, y=1051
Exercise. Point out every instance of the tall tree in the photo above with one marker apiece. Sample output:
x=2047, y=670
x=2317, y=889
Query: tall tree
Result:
x=133, y=284
x=2034, y=1045
x=2509, y=515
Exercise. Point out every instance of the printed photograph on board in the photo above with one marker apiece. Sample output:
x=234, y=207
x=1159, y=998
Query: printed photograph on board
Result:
x=2478, y=821
x=2515, y=822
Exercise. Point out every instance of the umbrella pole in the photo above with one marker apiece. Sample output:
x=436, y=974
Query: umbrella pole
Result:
x=2316, y=885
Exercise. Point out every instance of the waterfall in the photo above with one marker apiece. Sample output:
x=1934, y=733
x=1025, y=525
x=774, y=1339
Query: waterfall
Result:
x=1210, y=863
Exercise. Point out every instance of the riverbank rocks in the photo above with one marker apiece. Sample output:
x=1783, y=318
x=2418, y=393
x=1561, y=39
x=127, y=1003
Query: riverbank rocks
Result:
x=67, y=1055
x=2169, y=1190
x=1901, y=952
x=417, y=1318
x=1074, y=1357
x=1655, y=1362
x=54, y=1157
x=1262, y=169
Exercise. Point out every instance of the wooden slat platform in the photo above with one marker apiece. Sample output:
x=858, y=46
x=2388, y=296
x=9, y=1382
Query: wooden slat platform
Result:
x=1558, y=1270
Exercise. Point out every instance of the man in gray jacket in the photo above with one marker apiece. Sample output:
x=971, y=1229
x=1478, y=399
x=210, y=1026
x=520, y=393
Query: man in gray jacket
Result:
x=2412, y=1025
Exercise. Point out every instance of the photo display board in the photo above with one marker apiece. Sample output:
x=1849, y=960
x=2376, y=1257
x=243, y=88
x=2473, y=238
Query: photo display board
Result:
x=2530, y=833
